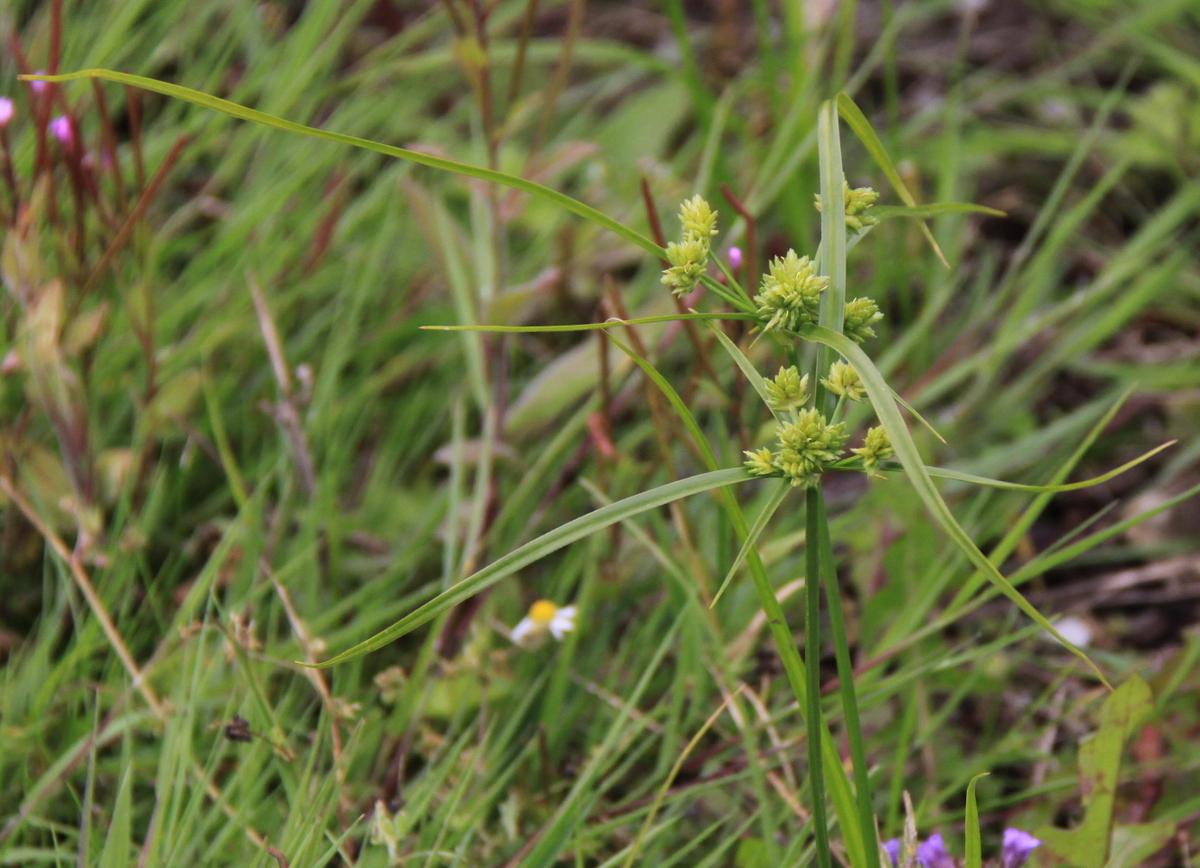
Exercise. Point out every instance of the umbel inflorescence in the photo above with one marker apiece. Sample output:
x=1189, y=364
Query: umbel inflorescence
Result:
x=789, y=297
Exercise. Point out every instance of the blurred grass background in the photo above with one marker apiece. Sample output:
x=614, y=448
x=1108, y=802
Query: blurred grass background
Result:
x=216, y=393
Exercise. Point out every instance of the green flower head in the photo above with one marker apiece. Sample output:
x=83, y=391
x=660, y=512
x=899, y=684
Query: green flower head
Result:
x=807, y=446
x=689, y=257
x=844, y=380
x=698, y=218
x=761, y=462
x=788, y=392
x=858, y=201
x=876, y=449
x=791, y=293
x=861, y=314
x=689, y=261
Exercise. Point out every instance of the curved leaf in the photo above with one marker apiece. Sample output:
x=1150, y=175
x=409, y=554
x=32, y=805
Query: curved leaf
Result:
x=248, y=114
x=945, y=473
x=535, y=549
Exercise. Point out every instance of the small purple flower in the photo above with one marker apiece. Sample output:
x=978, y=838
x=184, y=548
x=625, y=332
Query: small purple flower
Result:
x=38, y=86
x=735, y=258
x=1016, y=847
x=60, y=127
x=6, y=111
x=892, y=847
x=932, y=854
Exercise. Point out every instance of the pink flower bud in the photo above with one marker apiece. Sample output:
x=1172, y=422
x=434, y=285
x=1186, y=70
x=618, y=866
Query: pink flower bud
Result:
x=60, y=128
x=6, y=111
x=38, y=86
x=735, y=258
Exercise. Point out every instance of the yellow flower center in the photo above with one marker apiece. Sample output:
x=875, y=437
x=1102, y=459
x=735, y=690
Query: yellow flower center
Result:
x=542, y=612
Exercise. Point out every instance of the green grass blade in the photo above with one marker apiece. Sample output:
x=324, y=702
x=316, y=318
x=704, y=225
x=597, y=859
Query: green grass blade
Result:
x=756, y=530
x=586, y=326
x=747, y=367
x=934, y=209
x=858, y=122
x=539, y=548
x=945, y=473
x=247, y=114
x=685, y=415
x=974, y=849
x=906, y=451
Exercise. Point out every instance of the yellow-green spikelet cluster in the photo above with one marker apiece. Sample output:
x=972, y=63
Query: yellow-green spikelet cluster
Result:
x=844, y=380
x=876, y=449
x=807, y=445
x=689, y=257
x=788, y=392
x=791, y=293
x=857, y=200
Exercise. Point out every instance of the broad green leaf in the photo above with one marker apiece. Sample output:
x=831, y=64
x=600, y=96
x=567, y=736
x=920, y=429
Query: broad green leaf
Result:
x=1099, y=773
x=972, y=845
x=539, y=548
x=906, y=451
x=247, y=114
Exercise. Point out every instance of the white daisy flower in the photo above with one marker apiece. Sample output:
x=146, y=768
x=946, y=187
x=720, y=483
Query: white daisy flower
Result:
x=544, y=617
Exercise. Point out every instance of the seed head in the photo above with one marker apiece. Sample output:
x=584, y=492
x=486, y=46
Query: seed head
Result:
x=788, y=392
x=807, y=446
x=689, y=257
x=791, y=293
x=857, y=201
x=861, y=314
x=698, y=218
x=876, y=449
x=844, y=380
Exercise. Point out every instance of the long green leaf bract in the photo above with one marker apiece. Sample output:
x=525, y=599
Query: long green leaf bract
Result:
x=536, y=549
x=958, y=475
x=586, y=326
x=858, y=122
x=934, y=209
x=906, y=452
x=248, y=114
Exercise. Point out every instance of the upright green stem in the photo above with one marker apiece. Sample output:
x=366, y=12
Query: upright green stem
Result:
x=812, y=663
x=845, y=667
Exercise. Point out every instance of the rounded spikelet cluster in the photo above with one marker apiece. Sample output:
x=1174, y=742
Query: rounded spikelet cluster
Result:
x=806, y=446
x=861, y=314
x=876, y=449
x=844, y=380
x=791, y=293
x=689, y=257
x=788, y=392
x=858, y=201
x=698, y=218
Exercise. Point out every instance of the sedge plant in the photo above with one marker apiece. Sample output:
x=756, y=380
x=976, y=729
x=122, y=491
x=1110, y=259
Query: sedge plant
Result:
x=803, y=304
